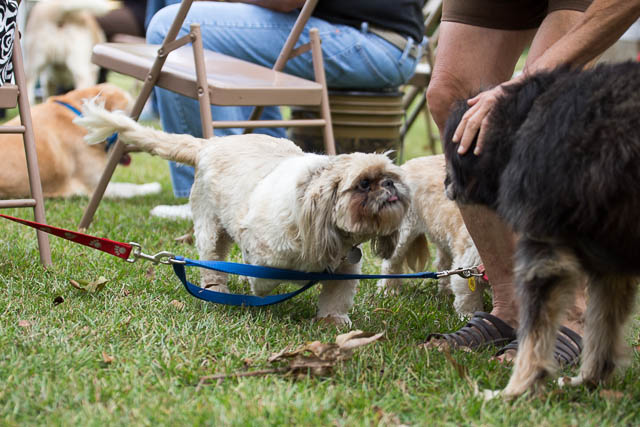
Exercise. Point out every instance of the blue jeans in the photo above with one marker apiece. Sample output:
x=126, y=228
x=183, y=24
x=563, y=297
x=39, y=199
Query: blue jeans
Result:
x=353, y=58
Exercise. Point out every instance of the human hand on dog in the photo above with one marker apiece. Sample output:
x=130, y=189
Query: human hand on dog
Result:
x=475, y=120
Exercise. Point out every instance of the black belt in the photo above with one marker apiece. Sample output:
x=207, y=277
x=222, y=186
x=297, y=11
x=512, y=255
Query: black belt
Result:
x=397, y=40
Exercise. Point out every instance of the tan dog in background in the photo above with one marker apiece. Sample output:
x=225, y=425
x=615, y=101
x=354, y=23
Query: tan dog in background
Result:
x=68, y=165
x=59, y=39
x=434, y=218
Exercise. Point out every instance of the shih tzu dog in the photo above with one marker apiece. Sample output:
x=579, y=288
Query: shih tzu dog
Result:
x=432, y=218
x=560, y=165
x=284, y=208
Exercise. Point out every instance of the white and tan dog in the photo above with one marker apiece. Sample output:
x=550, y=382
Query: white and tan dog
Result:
x=284, y=208
x=68, y=166
x=59, y=38
x=434, y=218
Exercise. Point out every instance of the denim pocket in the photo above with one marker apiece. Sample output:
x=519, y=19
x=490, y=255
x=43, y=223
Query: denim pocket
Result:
x=386, y=62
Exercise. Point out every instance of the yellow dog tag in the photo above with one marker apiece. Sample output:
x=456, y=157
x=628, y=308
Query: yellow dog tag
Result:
x=472, y=283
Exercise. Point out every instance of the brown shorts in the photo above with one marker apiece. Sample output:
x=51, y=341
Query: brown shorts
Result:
x=506, y=14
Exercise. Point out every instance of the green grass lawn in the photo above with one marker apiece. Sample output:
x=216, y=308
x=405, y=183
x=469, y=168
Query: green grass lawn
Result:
x=134, y=353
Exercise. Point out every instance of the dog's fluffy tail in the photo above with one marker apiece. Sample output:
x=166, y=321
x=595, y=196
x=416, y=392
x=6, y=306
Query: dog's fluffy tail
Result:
x=101, y=123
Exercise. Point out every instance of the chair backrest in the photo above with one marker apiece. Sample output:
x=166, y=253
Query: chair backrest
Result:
x=10, y=96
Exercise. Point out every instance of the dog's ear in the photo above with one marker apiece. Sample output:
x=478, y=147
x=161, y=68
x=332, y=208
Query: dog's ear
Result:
x=318, y=194
x=114, y=98
x=383, y=246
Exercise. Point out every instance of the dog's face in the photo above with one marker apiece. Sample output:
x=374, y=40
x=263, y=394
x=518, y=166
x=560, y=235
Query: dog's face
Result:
x=371, y=196
x=359, y=197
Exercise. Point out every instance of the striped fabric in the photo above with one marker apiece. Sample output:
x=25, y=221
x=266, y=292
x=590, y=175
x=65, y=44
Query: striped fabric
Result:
x=8, y=13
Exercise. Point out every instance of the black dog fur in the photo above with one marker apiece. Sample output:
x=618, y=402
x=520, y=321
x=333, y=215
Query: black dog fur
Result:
x=561, y=165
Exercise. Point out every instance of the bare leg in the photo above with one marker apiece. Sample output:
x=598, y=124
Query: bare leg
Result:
x=497, y=255
x=461, y=70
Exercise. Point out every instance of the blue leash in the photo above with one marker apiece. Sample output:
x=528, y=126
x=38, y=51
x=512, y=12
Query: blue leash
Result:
x=131, y=252
x=179, y=263
x=110, y=141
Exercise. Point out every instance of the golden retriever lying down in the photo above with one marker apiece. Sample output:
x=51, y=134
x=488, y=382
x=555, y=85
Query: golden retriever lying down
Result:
x=68, y=165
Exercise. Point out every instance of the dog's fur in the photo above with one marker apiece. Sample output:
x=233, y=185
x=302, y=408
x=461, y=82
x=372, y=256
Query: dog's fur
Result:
x=68, y=166
x=434, y=218
x=561, y=167
x=59, y=38
x=284, y=208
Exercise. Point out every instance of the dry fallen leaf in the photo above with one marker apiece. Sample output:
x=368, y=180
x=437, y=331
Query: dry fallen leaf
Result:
x=106, y=358
x=318, y=358
x=315, y=358
x=92, y=287
x=126, y=292
x=355, y=339
x=611, y=394
x=24, y=323
x=76, y=285
x=151, y=273
x=177, y=304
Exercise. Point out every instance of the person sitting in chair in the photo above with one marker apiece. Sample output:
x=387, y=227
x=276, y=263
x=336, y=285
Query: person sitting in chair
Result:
x=371, y=44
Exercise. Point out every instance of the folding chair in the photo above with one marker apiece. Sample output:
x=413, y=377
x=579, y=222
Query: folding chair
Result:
x=417, y=85
x=12, y=95
x=213, y=78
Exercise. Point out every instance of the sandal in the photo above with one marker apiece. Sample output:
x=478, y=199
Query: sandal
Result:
x=567, y=350
x=483, y=329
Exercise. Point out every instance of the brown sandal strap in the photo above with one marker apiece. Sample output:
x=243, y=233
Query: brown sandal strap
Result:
x=481, y=330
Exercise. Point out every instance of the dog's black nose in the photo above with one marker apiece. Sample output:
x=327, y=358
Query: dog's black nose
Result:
x=387, y=183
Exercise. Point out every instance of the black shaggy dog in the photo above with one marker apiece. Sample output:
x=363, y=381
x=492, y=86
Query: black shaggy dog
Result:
x=561, y=165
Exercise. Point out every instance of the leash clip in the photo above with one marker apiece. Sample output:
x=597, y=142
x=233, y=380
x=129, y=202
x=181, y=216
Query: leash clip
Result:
x=163, y=257
x=465, y=273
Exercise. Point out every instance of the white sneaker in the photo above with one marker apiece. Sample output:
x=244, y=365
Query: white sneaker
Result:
x=127, y=190
x=172, y=211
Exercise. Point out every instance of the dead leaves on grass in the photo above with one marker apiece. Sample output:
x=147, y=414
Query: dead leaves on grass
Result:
x=107, y=359
x=179, y=305
x=93, y=286
x=611, y=395
x=313, y=358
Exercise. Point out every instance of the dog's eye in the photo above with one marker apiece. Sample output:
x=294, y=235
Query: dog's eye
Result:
x=364, y=185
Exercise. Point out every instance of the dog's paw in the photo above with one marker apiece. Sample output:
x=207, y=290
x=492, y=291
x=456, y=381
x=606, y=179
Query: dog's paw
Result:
x=334, y=320
x=216, y=288
x=570, y=381
x=487, y=394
